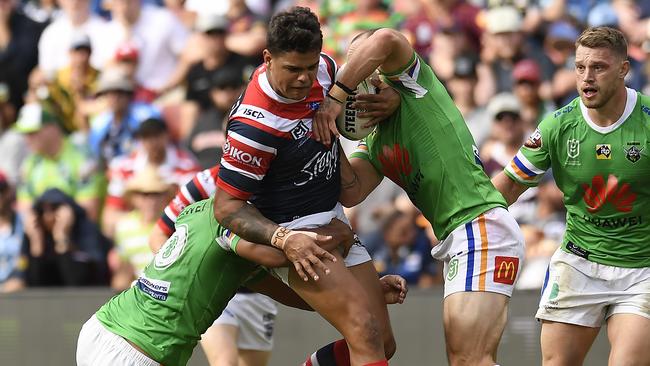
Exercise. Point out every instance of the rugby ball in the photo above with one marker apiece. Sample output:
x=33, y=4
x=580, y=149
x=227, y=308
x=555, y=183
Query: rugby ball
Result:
x=348, y=124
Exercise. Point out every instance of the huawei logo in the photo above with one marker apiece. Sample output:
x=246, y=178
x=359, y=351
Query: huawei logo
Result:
x=396, y=163
x=600, y=193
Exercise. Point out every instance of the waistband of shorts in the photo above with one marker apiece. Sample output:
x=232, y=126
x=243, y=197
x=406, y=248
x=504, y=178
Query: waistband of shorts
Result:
x=139, y=354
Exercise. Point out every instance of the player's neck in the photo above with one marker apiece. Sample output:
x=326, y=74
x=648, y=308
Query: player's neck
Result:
x=609, y=113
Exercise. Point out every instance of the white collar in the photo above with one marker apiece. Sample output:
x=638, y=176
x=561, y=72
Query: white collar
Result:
x=629, y=107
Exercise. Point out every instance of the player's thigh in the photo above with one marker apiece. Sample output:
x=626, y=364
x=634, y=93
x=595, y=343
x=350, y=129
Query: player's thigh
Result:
x=629, y=336
x=219, y=343
x=339, y=298
x=474, y=322
x=565, y=344
x=250, y=357
x=367, y=276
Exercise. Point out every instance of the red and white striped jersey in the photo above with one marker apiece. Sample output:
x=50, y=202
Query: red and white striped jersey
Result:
x=270, y=157
x=202, y=186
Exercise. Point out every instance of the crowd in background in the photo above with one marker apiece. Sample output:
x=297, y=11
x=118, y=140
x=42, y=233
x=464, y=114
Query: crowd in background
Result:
x=108, y=106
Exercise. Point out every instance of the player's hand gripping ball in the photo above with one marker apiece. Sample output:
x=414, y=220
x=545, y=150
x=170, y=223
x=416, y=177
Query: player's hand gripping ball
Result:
x=348, y=123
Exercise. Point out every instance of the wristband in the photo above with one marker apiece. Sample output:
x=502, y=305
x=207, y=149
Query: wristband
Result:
x=344, y=87
x=334, y=98
x=279, y=236
x=338, y=94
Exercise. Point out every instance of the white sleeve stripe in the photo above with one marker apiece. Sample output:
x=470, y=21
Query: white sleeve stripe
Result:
x=269, y=119
x=245, y=173
x=251, y=143
x=188, y=196
x=528, y=164
x=170, y=214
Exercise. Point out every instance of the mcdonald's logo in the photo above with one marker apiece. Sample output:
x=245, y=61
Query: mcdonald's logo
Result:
x=505, y=269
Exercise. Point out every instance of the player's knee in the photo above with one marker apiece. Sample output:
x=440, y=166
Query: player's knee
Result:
x=365, y=330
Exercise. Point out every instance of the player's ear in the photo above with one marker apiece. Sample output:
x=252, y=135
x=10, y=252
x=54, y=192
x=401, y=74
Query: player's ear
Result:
x=625, y=68
x=266, y=55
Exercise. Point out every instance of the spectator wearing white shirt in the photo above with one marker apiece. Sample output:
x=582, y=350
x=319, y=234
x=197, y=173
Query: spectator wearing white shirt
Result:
x=157, y=34
x=55, y=42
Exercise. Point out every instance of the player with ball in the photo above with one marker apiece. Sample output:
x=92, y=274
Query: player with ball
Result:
x=427, y=149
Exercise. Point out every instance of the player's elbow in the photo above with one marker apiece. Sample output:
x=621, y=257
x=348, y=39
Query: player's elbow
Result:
x=388, y=38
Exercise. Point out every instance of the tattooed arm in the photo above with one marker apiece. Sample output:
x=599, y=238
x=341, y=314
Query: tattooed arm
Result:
x=301, y=248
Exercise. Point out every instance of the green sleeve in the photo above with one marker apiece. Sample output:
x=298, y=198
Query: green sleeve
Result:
x=362, y=151
x=533, y=159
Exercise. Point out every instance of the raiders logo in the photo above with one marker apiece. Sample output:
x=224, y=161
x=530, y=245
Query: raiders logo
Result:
x=633, y=153
x=603, y=152
x=534, y=142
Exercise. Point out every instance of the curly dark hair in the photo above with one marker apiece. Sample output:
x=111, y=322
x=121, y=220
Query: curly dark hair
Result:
x=296, y=29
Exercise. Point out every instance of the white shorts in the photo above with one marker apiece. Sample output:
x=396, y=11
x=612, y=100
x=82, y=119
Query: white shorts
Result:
x=254, y=315
x=578, y=291
x=97, y=346
x=482, y=255
x=357, y=254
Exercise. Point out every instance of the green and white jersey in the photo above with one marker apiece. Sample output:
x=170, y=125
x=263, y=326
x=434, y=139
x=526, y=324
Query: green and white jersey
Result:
x=604, y=173
x=182, y=291
x=426, y=148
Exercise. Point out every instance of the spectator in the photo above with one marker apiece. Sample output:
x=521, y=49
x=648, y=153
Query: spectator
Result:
x=207, y=136
x=41, y=11
x=508, y=134
x=544, y=235
x=247, y=31
x=153, y=148
x=216, y=58
x=54, y=162
x=447, y=45
x=148, y=194
x=406, y=251
x=57, y=37
x=78, y=80
x=559, y=58
x=503, y=46
x=155, y=32
x=527, y=77
x=363, y=15
x=51, y=95
x=112, y=132
x=63, y=247
x=12, y=267
x=12, y=144
x=462, y=87
x=18, y=50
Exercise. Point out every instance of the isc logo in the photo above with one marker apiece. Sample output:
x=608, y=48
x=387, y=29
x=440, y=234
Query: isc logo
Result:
x=253, y=113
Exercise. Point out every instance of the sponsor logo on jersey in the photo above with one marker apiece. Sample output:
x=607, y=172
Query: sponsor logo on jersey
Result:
x=396, y=163
x=299, y=131
x=505, y=269
x=323, y=162
x=604, y=152
x=241, y=156
x=633, y=152
x=562, y=111
x=172, y=249
x=534, y=141
x=253, y=113
x=614, y=223
x=599, y=193
x=157, y=289
x=645, y=109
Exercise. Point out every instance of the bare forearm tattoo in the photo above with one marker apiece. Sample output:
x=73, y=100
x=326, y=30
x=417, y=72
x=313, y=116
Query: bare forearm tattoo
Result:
x=248, y=223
